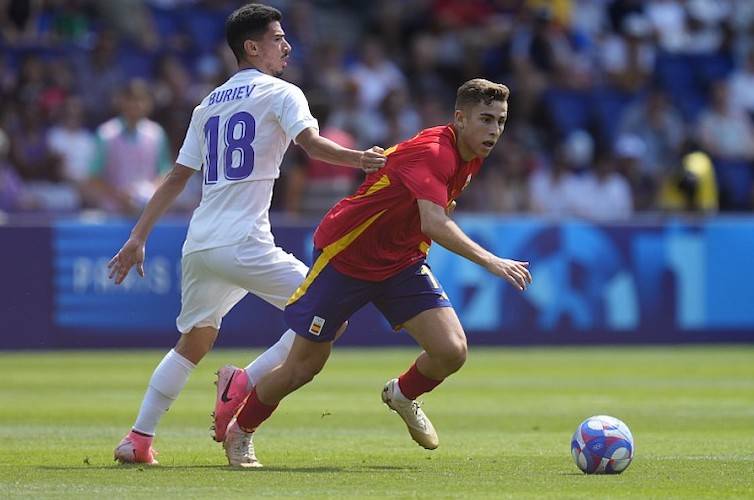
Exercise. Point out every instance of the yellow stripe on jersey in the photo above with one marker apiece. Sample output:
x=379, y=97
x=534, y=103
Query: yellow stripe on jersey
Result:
x=329, y=252
x=424, y=248
x=380, y=184
x=390, y=150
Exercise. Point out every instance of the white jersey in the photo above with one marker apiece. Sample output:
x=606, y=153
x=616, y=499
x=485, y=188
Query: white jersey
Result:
x=238, y=136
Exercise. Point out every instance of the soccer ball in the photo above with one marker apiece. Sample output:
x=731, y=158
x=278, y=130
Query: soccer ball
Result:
x=602, y=445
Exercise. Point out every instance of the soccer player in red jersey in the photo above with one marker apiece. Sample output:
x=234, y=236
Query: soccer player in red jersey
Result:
x=372, y=246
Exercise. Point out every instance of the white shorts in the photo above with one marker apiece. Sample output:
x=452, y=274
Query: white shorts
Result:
x=214, y=280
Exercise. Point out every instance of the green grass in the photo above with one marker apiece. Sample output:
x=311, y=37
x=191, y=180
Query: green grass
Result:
x=505, y=423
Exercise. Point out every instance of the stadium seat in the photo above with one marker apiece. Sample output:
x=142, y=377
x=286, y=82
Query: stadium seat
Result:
x=710, y=67
x=206, y=27
x=167, y=23
x=567, y=109
x=135, y=61
x=608, y=105
x=735, y=180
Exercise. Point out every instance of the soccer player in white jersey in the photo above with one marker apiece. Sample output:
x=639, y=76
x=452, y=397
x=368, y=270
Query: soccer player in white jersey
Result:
x=237, y=137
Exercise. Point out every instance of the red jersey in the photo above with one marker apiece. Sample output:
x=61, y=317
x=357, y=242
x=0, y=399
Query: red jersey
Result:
x=376, y=233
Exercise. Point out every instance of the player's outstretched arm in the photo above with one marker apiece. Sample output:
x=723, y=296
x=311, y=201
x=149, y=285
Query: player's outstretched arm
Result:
x=132, y=252
x=440, y=228
x=322, y=148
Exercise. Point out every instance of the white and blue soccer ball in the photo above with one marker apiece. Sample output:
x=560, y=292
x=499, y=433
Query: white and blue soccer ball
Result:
x=602, y=445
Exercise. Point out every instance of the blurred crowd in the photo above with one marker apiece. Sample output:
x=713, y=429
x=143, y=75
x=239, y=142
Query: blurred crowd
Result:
x=617, y=106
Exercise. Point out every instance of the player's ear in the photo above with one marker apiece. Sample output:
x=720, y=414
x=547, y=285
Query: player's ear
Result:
x=251, y=48
x=459, y=118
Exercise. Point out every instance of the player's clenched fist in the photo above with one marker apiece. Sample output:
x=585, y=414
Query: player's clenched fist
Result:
x=372, y=159
x=131, y=254
x=514, y=271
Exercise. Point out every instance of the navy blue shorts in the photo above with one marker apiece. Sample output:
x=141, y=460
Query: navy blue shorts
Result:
x=327, y=298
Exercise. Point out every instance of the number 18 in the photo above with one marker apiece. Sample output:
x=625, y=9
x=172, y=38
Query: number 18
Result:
x=235, y=147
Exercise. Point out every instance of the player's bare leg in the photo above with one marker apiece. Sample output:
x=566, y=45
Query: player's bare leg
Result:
x=440, y=334
x=305, y=360
x=195, y=344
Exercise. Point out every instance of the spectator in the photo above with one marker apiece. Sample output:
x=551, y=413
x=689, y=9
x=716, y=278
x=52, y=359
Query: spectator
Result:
x=629, y=155
x=74, y=145
x=742, y=85
x=362, y=123
x=727, y=135
x=38, y=166
x=313, y=186
x=691, y=187
x=628, y=58
x=389, y=68
x=170, y=95
x=11, y=186
x=100, y=75
x=31, y=81
x=132, y=154
x=669, y=20
x=330, y=76
x=607, y=194
x=704, y=30
x=659, y=128
x=505, y=180
x=374, y=75
x=561, y=191
x=724, y=131
x=399, y=118
x=19, y=21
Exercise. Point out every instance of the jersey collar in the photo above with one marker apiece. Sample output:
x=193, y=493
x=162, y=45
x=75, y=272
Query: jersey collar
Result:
x=246, y=69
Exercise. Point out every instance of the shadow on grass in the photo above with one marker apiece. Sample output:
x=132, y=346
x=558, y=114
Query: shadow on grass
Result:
x=346, y=470
x=129, y=467
x=227, y=468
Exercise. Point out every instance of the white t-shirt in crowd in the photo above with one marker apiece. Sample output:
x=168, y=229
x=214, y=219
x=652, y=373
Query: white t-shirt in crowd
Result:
x=77, y=149
x=238, y=136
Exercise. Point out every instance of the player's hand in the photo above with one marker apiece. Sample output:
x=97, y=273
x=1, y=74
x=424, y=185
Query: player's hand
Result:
x=132, y=254
x=513, y=271
x=451, y=208
x=372, y=159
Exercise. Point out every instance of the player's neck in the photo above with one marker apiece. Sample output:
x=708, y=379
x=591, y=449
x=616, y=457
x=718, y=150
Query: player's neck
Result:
x=464, y=150
x=247, y=65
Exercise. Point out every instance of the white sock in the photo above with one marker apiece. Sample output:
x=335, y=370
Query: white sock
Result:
x=269, y=359
x=166, y=383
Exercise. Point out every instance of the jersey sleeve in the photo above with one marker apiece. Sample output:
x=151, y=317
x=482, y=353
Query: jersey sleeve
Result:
x=427, y=174
x=190, y=154
x=295, y=116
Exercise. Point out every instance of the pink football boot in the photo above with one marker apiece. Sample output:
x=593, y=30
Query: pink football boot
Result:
x=135, y=449
x=232, y=390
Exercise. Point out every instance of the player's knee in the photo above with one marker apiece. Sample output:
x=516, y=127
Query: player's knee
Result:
x=457, y=355
x=195, y=344
x=453, y=353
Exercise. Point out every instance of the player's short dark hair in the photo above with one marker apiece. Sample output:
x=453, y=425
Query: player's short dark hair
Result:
x=478, y=91
x=248, y=23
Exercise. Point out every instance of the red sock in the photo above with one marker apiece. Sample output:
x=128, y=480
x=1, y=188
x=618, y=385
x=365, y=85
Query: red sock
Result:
x=412, y=383
x=253, y=413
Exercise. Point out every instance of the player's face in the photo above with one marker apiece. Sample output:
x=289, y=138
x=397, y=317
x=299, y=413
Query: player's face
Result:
x=480, y=127
x=273, y=50
x=136, y=106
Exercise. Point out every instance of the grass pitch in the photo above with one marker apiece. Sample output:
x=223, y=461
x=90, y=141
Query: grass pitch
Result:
x=505, y=423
